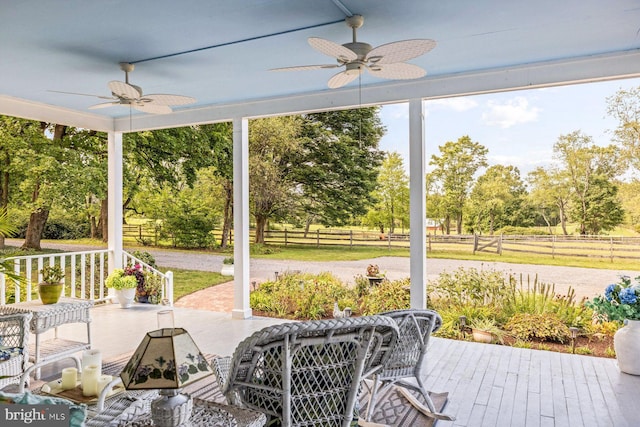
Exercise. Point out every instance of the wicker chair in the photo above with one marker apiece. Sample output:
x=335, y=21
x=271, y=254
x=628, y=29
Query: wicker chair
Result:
x=404, y=366
x=306, y=373
x=14, y=351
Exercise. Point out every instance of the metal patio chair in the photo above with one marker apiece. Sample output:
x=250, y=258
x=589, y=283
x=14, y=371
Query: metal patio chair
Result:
x=307, y=373
x=14, y=349
x=403, y=368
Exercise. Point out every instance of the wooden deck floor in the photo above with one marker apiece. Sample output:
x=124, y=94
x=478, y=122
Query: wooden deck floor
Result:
x=488, y=385
x=491, y=385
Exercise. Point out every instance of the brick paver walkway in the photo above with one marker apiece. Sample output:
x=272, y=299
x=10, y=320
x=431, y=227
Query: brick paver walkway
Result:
x=215, y=298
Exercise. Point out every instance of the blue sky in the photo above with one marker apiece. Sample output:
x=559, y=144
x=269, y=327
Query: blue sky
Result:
x=518, y=128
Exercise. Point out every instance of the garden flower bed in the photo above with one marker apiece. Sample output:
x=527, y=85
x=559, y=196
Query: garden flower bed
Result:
x=525, y=313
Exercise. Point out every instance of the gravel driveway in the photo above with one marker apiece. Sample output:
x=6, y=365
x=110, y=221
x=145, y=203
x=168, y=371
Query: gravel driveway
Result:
x=586, y=281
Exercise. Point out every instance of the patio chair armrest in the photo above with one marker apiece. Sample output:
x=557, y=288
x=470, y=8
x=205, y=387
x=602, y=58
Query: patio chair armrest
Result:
x=221, y=366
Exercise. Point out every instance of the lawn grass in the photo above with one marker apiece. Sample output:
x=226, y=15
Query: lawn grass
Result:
x=535, y=259
x=329, y=253
x=186, y=282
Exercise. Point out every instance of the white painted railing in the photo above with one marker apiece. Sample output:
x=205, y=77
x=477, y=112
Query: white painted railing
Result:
x=84, y=276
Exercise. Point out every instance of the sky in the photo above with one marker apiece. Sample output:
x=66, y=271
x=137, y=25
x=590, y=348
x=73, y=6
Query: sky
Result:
x=518, y=128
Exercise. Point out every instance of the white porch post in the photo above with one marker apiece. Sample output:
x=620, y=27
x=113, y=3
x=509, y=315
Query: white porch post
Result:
x=241, y=307
x=417, y=202
x=114, y=194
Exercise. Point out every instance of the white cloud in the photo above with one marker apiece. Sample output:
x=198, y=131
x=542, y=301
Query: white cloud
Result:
x=510, y=113
x=456, y=104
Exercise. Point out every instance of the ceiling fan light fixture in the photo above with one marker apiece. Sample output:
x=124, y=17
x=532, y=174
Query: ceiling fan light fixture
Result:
x=354, y=69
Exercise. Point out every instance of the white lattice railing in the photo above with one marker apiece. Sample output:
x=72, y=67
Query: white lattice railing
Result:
x=84, y=276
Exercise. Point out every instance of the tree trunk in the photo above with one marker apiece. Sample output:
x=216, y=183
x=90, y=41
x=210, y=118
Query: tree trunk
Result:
x=94, y=227
x=261, y=221
x=307, y=225
x=459, y=223
x=104, y=219
x=37, y=220
x=447, y=224
x=228, y=215
x=546, y=220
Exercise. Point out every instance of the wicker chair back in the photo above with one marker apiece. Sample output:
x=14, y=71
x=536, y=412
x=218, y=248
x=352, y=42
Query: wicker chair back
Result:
x=308, y=373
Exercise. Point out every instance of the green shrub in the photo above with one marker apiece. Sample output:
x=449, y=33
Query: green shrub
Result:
x=451, y=317
x=546, y=327
x=303, y=296
x=145, y=257
x=388, y=295
x=471, y=287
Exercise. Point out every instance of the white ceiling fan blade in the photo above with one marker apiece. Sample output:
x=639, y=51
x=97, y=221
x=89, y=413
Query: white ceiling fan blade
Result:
x=332, y=49
x=400, y=71
x=166, y=99
x=401, y=51
x=104, y=105
x=82, y=94
x=152, y=108
x=306, y=67
x=124, y=90
x=341, y=79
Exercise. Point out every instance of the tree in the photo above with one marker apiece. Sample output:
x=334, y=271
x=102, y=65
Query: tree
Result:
x=625, y=107
x=337, y=164
x=493, y=193
x=550, y=192
x=220, y=137
x=272, y=143
x=454, y=169
x=587, y=167
x=603, y=208
x=392, y=195
x=629, y=194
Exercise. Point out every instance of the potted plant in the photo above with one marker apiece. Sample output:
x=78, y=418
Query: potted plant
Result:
x=485, y=330
x=227, y=267
x=621, y=303
x=124, y=285
x=374, y=275
x=152, y=288
x=50, y=289
x=136, y=271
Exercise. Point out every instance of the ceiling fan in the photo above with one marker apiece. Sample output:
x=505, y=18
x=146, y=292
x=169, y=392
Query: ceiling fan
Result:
x=386, y=61
x=124, y=93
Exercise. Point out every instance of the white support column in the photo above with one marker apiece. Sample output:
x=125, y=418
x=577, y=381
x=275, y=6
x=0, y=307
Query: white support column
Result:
x=241, y=307
x=417, y=201
x=114, y=221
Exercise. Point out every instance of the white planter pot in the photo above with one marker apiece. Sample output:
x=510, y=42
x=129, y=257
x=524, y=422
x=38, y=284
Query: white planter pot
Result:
x=126, y=297
x=626, y=342
x=482, y=336
x=227, y=270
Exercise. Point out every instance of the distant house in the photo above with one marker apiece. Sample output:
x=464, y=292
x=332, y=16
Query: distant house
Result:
x=433, y=225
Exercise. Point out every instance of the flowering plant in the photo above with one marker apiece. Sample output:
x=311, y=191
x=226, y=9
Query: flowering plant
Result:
x=620, y=301
x=373, y=270
x=119, y=280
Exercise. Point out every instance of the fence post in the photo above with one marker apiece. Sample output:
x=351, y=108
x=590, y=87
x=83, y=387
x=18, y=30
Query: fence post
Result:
x=611, y=248
x=429, y=242
x=318, y=238
x=285, y=237
x=350, y=238
x=475, y=243
x=500, y=245
x=553, y=247
x=389, y=240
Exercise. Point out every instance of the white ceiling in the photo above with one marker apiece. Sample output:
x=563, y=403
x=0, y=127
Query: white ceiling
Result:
x=488, y=45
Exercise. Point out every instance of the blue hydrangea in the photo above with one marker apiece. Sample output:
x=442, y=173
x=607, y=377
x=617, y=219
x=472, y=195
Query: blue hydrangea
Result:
x=628, y=296
x=608, y=292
